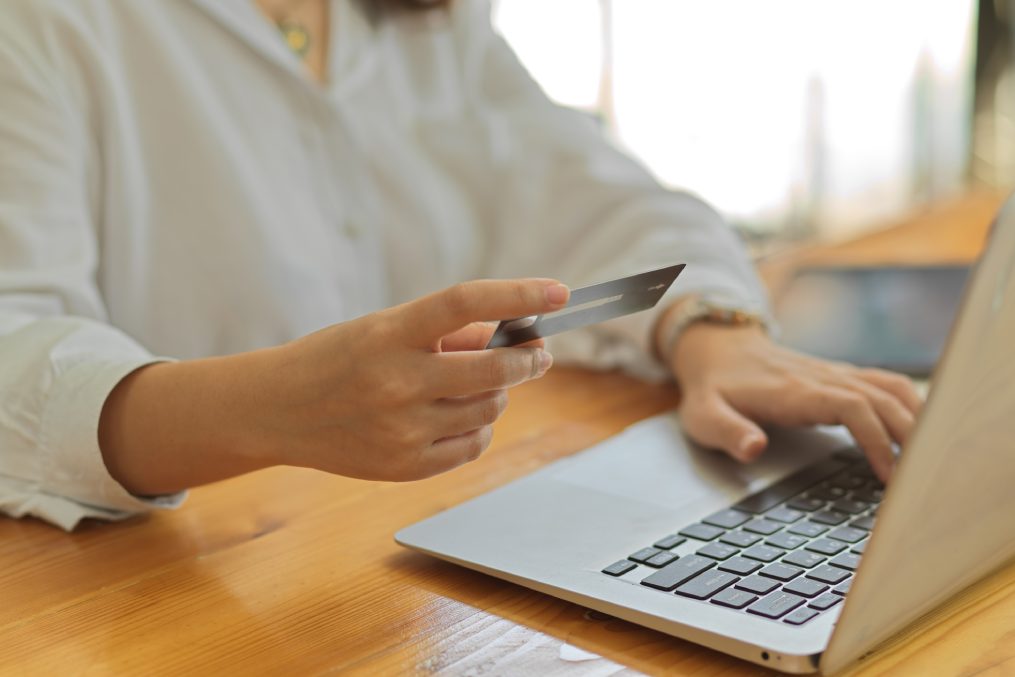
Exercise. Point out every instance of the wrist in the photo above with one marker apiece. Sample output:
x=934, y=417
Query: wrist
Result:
x=170, y=426
x=694, y=311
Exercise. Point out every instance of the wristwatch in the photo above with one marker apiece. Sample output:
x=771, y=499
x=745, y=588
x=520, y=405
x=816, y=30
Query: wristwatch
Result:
x=704, y=310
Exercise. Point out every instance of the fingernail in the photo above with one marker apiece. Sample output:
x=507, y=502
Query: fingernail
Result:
x=557, y=294
x=543, y=362
x=748, y=445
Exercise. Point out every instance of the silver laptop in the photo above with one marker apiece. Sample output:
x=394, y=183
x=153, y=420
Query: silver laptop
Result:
x=756, y=561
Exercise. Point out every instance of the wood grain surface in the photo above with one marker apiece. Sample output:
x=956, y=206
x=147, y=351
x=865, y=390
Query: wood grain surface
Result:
x=290, y=571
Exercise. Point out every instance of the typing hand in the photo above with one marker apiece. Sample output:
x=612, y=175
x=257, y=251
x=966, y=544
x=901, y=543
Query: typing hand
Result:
x=733, y=378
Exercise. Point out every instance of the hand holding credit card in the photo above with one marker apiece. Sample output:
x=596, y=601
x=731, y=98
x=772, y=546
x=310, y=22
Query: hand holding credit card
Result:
x=589, y=305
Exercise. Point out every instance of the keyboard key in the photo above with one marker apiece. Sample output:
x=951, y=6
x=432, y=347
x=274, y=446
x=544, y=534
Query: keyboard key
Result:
x=828, y=574
x=661, y=559
x=869, y=495
x=825, y=601
x=758, y=585
x=740, y=566
x=802, y=558
x=808, y=529
x=735, y=599
x=620, y=568
x=670, y=542
x=826, y=493
x=829, y=517
x=741, y=539
x=843, y=589
x=806, y=504
x=800, y=616
x=679, y=572
x=849, y=507
x=727, y=519
x=826, y=546
x=763, y=553
x=781, y=572
x=776, y=605
x=805, y=587
x=644, y=554
x=787, y=541
x=762, y=526
x=859, y=548
x=706, y=584
x=846, y=560
x=702, y=532
x=784, y=515
x=718, y=551
x=865, y=522
x=848, y=534
x=790, y=486
x=849, y=481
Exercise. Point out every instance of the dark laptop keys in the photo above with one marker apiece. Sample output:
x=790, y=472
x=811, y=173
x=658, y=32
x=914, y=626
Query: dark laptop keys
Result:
x=784, y=514
x=735, y=599
x=762, y=526
x=620, y=568
x=802, y=558
x=849, y=506
x=825, y=601
x=758, y=585
x=660, y=559
x=826, y=546
x=644, y=555
x=776, y=605
x=786, y=541
x=842, y=589
x=727, y=519
x=679, y=572
x=859, y=548
x=763, y=553
x=741, y=539
x=808, y=529
x=718, y=551
x=806, y=504
x=848, y=534
x=846, y=560
x=805, y=587
x=832, y=517
x=740, y=566
x=781, y=572
x=828, y=574
x=702, y=532
x=790, y=486
x=669, y=542
x=800, y=616
x=866, y=522
x=706, y=584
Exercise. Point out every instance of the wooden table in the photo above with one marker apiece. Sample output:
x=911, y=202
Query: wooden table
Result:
x=290, y=571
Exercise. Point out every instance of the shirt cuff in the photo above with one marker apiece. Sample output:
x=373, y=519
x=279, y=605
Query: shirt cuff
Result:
x=73, y=464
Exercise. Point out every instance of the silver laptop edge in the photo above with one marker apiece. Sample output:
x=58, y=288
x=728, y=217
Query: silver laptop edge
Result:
x=554, y=530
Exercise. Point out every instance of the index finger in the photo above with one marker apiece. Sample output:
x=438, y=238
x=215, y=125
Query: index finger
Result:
x=432, y=317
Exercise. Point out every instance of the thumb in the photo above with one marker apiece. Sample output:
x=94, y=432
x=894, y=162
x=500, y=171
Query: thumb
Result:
x=712, y=422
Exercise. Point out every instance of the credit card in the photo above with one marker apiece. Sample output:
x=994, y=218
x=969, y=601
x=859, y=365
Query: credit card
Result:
x=589, y=305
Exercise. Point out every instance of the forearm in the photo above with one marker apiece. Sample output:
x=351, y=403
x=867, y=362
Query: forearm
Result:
x=170, y=426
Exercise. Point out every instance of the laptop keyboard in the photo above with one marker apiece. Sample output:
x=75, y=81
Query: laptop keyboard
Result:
x=786, y=553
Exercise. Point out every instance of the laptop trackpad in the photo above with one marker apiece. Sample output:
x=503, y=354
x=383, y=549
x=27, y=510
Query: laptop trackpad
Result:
x=653, y=462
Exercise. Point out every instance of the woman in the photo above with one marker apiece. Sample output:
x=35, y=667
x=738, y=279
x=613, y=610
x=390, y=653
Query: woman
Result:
x=251, y=187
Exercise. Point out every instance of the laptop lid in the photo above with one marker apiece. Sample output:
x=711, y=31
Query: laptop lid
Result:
x=947, y=519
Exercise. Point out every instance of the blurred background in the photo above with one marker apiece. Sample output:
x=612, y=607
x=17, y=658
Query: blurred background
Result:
x=796, y=118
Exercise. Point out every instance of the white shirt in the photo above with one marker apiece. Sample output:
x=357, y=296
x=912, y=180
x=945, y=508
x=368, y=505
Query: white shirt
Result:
x=172, y=183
